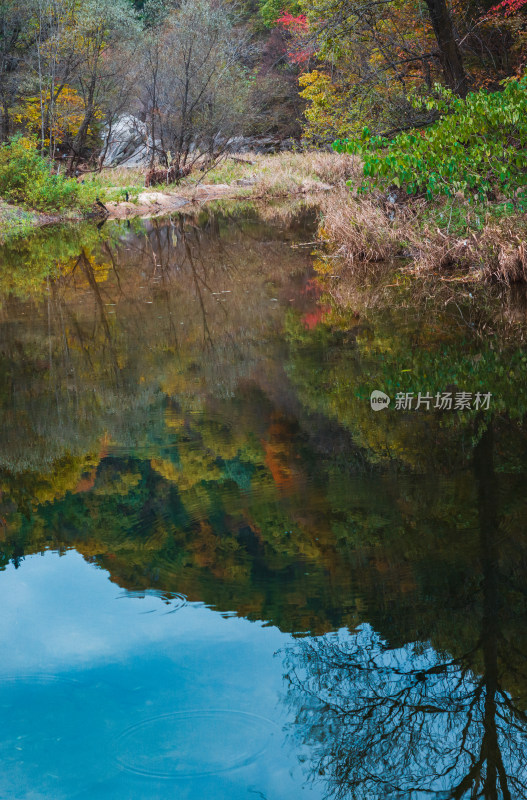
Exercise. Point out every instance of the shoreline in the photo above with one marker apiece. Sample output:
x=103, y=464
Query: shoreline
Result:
x=445, y=238
x=17, y=221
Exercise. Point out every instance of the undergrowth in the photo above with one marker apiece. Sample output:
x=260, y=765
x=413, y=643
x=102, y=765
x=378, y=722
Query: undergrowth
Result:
x=27, y=178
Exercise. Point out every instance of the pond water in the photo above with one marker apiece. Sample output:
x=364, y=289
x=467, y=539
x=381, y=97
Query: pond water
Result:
x=224, y=575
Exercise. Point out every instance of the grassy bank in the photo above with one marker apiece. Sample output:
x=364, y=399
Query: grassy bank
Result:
x=451, y=195
x=38, y=198
x=248, y=175
x=482, y=239
x=18, y=221
x=15, y=221
x=33, y=194
x=485, y=241
x=479, y=238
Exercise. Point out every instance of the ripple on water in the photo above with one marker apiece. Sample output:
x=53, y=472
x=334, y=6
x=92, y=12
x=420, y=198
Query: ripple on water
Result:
x=174, y=600
x=194, y=743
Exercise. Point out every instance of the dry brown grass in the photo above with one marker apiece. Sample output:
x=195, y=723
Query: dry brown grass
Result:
x=360, y=231
x=367, y=230
x=285, y=173
x=122, y=176
x=497, y=253
x=281, y=173
x=363, y=231
x=436, y=252
x=332, y=168
x=505, y=251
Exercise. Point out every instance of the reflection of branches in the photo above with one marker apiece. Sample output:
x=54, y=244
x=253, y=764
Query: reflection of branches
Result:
x=94, y=286
x=413, y=722
x=387, y=723
x=165, y=266
x=195, y=276
x=97, y=368
x=109, y=252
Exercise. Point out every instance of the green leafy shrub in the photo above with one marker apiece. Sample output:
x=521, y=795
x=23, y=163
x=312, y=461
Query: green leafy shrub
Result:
x=25, y=177
x=478, y=145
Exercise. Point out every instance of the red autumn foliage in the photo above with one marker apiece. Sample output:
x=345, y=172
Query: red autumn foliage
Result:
x=507, y=8
x=314, y=318
x=297, y=27
x=293, y=24
x=312, y=288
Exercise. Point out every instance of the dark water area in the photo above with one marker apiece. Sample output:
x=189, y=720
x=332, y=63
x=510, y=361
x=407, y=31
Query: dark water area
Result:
x=224, y=575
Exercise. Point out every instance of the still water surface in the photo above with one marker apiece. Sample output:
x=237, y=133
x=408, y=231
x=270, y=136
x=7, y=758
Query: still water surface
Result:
x=225, y=576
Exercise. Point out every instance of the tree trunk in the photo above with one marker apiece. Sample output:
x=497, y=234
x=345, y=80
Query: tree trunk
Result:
x=81, y=136
x=449, y=52
x=6, y=127
x=490, y=632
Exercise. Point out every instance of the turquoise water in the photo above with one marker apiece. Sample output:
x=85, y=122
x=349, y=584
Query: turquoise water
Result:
x=110, y=696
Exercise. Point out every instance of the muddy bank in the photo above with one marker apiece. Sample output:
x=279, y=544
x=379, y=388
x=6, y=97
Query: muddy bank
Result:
x=154, y=203
x=157, y=203
x=15, y=221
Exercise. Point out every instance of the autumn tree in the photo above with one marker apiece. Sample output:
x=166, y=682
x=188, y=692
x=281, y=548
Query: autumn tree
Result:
x=66, y=67
x=104, y=27
x=15, y=44
x=194, y=89
x=372, y=56
x=449, y=52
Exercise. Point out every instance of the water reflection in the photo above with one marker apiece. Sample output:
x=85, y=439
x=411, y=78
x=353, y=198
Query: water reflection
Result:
x=443, y=718
x=90, y=350
x=106, y=699
x=185, y=407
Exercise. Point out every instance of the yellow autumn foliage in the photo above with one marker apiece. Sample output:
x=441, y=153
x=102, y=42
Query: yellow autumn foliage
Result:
x=63, y=115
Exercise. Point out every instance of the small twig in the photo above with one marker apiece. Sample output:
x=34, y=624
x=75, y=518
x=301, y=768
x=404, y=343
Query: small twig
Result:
x=242, y=160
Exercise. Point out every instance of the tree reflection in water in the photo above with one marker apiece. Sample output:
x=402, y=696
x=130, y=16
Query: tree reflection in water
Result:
x=406, y=723
x=412, y=721
x=175, y=409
